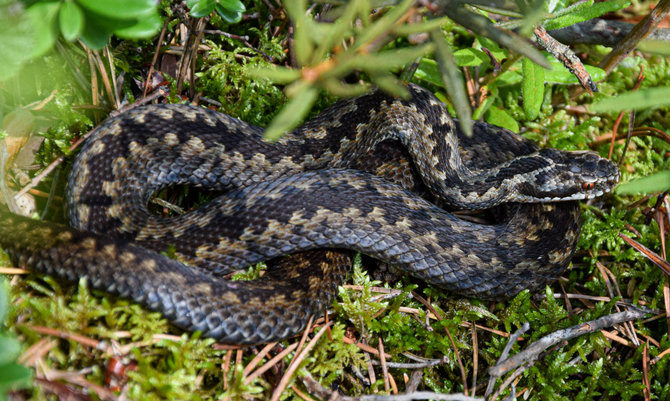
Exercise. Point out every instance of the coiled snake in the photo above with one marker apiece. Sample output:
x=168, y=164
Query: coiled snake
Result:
x=310, y=195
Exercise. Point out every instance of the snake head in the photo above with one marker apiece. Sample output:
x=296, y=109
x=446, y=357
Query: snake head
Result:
x=570, y=176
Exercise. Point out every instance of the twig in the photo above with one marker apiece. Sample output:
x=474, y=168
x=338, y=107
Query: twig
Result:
x=639, y=131
x=639, y=32
x=226, y=34
x=144, y=100
x=154, y=59
x=251, y=365
x=226, y=368
x=418, y=395
x=414, y=380
x=382, y=361
x=117, y=90
x=269, y=364
x=648, y=253
x=296, y=362
x=533, y=351
x=105, y=78
x=566, y=56
x=602, y=32
x=364, y=347
x=509, y=381
x=13, y=270
x=645, y=372
x=419, y=365
x=475, y=359
x=36, y=180
x=314, y=387
x=513, y=338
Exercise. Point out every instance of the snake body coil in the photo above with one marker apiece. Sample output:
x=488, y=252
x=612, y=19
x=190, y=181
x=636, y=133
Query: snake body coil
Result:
x=311, y=196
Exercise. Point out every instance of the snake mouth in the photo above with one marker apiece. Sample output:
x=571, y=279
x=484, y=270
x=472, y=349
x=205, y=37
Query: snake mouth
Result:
x=578, y=195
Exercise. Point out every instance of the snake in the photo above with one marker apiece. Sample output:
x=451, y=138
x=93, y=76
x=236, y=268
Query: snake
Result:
x=375, y=174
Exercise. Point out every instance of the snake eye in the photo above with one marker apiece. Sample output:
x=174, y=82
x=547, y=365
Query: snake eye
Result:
x=587, y=186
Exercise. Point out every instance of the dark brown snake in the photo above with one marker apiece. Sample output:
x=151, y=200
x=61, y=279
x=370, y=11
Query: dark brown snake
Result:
x=312, y=196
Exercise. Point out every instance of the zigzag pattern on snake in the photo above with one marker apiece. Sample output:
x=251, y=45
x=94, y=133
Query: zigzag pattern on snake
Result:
x=312, y=196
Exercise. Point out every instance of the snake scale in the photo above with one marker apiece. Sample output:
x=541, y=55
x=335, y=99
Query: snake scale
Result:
x=372, y=174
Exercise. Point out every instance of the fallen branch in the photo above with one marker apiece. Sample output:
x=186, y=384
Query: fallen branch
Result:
x=533, y=351
x=602, y=32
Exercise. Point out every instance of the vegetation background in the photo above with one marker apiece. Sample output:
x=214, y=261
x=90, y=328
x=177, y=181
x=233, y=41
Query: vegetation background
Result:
x=66, y=65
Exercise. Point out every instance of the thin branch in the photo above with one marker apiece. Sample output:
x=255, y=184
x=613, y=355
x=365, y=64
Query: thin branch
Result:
x=602, y=32
x=296, y=362
x=315, y=388
x=418, y=365
x=640, y=31
x=566, y=56
x=512, y=340
x=532, y=352
x=648, y=253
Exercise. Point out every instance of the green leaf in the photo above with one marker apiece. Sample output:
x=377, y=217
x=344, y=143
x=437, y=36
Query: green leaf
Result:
x=71, y=20
x=277, y=74
x=16, y=39
x=201, y=8
x=561, y=75
x=383, y=24
x=4, y=301
x=470, y=57
x=10, y=349
x=452, y=80
x=230, y=16
x=429, y=71
x=642, y=99
x=120, y=9
x=661, y=47
x=501, y=118
x=656, y=182
x=532, y=88
x=584, y=12
x=43, y=16
x=487, y=103
x=232, y=5
x=95, y=34
x=420, y=27
x=508, y=77
x=12, y=376
x=390, y=59
x=481, y=25
x=302, y=42
x=337, y=31
x=389, y=84
x=293, y=112
x=145, y=27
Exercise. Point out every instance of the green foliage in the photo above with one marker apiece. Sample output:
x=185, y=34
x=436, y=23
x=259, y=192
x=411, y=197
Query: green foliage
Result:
x=362, y=308
x=175, y=369
x=532, y=88
x=642, y=99
x=12, y=374
x=227, y=80
x=329, y=360
x=598, y=232
x=188, y=367
x=583, y=11
x=230, y=10
x=325, y=65
x=657, y=182
x=32, y=31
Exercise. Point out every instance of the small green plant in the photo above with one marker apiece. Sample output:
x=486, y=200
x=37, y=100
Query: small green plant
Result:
x=12, y=374
x=30, y=32
x=230, y=10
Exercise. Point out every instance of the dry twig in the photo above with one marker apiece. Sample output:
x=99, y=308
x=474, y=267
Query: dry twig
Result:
x=532, y=352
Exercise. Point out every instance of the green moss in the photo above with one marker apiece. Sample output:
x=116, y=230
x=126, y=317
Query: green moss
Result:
x=189, y=367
